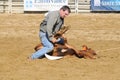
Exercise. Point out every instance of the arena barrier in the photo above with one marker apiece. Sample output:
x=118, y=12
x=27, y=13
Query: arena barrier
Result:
x=105, y=5
x=44, y=5
x=20, y=6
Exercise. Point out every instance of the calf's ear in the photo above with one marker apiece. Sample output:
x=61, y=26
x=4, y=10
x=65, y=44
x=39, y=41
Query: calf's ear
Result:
x=84, y=47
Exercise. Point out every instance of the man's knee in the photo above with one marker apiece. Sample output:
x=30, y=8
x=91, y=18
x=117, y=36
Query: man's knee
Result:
x=51, y=48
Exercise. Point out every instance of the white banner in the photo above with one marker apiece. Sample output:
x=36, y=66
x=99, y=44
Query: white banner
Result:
x=43, y=5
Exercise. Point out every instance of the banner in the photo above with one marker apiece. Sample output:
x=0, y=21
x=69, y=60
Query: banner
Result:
x=43, y=5
x=105, y=5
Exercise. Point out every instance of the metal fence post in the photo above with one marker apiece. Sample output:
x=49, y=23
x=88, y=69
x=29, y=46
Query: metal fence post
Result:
x=76, y=5
x=10, y=6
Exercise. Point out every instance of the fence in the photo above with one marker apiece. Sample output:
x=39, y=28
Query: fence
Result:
x=78, y=6
x=11, y=6
x=17, y=6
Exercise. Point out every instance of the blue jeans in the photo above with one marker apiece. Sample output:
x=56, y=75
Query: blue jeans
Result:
x=47, y=46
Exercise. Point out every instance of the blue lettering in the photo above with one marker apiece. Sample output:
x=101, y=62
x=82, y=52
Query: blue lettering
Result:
x=50, y=1
x=57, y=1
x=42, y=1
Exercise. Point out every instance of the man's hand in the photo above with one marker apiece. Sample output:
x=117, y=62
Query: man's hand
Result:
x=54, y=40
x=60, y=41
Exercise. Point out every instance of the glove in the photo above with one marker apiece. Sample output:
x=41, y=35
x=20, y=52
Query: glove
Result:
x=60, y=41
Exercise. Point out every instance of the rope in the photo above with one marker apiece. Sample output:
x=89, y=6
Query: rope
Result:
x=108, y=49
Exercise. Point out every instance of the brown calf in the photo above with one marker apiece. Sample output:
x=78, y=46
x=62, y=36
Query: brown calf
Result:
x=63, y=50
x=66, y=49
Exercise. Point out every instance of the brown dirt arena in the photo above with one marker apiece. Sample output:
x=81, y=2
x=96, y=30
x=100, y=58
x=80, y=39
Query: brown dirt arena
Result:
x=19, y=35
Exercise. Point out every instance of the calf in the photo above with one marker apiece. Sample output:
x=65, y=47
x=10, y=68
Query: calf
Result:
x=65, y=49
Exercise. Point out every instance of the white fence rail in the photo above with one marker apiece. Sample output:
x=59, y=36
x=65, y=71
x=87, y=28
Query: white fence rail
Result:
x=11, y=6
x=78, y=6
x=17, y=6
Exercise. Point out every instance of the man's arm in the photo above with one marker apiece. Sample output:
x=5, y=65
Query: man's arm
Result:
x=50, y=24
x=61, y=32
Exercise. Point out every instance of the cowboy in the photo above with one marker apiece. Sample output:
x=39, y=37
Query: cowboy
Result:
x=50, y=25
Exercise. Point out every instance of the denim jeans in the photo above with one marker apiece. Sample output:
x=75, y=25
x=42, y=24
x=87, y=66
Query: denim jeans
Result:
x=47, y=46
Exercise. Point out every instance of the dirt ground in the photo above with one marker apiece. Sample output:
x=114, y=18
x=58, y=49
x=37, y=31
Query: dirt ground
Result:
x=19, y=35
